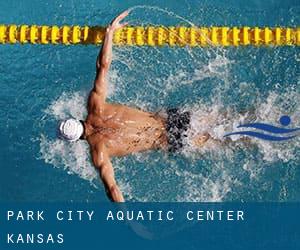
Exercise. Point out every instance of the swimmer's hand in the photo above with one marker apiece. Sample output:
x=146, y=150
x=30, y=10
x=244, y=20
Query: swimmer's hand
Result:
x=115, y=24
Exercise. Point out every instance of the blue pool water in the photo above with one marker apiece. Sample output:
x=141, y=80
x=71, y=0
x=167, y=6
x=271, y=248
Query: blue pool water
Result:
x=42, y=84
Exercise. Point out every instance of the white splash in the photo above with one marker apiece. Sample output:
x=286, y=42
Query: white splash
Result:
x=72, y=157
x=68, y=105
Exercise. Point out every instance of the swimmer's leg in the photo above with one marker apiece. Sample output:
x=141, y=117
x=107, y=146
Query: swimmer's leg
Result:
x=200, y=140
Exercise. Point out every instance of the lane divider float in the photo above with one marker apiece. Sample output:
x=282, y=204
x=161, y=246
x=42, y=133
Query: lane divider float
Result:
x=152, y=35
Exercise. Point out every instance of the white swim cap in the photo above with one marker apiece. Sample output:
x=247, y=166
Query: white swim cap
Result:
x=70, y=130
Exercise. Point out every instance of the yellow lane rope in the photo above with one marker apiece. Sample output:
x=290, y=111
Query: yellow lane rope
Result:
x=152, y=35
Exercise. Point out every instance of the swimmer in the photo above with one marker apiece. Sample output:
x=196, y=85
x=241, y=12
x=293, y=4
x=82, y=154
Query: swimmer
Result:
x=114, y=130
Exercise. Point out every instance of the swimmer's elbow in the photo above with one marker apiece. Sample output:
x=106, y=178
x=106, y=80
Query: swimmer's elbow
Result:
x=98, y=163
x=105, y=63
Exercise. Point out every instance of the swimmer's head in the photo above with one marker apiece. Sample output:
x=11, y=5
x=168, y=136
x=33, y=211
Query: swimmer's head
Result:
x=70, y=130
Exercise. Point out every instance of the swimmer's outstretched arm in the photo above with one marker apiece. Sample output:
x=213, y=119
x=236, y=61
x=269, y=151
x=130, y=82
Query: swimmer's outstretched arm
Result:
x=105, y=56
x=103, y=164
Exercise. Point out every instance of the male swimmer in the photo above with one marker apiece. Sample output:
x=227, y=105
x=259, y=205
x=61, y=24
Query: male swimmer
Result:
x=117, y=130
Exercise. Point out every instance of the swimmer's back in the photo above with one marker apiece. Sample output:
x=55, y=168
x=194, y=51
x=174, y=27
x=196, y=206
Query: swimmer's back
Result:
x=126, y=130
